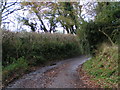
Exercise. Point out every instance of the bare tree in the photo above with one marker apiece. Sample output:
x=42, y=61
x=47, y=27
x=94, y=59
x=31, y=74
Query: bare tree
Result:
x=6, y=9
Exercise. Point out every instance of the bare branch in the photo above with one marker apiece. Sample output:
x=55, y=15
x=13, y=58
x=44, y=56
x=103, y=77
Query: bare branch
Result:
x=12, y=4
x=107, y=36
x=4, y=6
x=11, y=12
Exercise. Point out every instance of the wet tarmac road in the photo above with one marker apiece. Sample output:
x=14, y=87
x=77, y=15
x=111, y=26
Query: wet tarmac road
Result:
x=61, y=75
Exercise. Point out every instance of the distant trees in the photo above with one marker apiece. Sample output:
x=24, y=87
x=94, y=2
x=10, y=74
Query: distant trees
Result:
x=46, y=16
x=30, y=24
x=66, y=14
x=42, y=10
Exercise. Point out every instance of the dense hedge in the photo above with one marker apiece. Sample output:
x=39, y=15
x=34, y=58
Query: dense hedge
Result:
x=37, y=48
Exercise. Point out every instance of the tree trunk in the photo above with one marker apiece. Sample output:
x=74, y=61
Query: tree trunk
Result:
x=45, y=30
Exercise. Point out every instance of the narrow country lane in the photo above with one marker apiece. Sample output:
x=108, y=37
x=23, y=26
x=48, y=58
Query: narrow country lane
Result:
x=62, y=75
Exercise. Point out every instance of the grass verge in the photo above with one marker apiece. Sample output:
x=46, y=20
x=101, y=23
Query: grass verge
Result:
x=103, y=68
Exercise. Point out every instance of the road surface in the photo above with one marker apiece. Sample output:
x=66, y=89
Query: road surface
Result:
x=62, y=74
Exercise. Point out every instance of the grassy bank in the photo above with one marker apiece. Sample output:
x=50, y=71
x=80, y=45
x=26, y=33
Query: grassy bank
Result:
x=24, y=50
x=103, y=68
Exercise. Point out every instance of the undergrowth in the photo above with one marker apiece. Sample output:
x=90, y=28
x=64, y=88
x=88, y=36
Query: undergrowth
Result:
x=103, y=68
x=14, y=70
